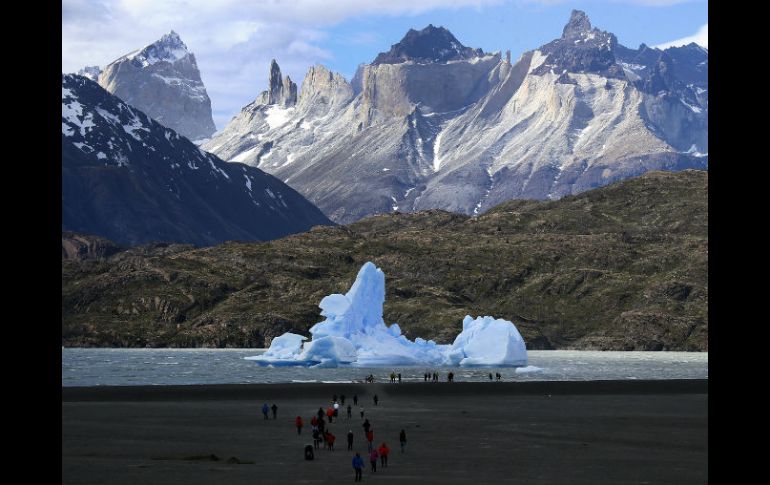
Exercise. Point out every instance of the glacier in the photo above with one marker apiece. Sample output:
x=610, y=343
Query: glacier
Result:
x=355, y=334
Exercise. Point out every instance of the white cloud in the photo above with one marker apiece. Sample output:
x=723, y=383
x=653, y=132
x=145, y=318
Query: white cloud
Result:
x=701, y=37
x=233, y=40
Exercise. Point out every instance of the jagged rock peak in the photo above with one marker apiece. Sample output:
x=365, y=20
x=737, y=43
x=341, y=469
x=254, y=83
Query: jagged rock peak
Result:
x=168, y=48
x=91, y=72
x=578, y=24
x=431, y=44
x=281, y=90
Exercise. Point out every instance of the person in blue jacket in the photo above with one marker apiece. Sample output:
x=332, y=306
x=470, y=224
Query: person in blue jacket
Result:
x=358, y=466
x=265, y=410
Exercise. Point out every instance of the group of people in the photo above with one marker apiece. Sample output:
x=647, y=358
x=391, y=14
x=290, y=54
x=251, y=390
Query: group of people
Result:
x=393, y=377
x=498, y=376
x=322, y=434
x=434, y=376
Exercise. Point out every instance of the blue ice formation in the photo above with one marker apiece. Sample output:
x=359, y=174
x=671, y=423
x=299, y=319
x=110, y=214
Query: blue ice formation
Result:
x=354, y=333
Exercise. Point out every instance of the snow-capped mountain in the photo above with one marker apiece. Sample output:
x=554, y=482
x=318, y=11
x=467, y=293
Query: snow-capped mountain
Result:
x=162, y=79
x=434, y=124
x=130, y=179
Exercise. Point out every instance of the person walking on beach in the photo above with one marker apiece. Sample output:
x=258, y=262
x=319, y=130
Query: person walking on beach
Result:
x=362, y=412
x=316, y=438
x=376, y=399
x=373, y=459
x=350, y=439
x=265, y=410
x=370, y=440
x=399, y=378
x=330, y=440
x=355, y=399
x=383, y=450
x=275, y=411
x=358, y=465
x=330, y=414
x=490, y=376
x=342, y=399
x=366, y=426
x=336, y=409
x=298, y=423
x=392, y=377
x=402, y=439
x=350, y=413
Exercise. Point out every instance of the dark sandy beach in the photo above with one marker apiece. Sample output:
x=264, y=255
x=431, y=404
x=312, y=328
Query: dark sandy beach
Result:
x=601, y=432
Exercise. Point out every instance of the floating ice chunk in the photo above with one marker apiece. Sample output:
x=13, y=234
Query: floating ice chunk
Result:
x=329, y=351
x=354, y=333
x=530, y=369
x=488, y=341
x=286, y=346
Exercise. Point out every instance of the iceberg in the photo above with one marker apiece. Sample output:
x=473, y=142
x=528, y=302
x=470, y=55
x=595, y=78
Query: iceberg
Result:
x=355, y=334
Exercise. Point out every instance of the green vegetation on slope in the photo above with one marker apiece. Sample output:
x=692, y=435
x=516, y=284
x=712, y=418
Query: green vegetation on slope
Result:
x=620, y=267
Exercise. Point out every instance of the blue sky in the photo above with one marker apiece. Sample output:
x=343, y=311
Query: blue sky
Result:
x=234, y=40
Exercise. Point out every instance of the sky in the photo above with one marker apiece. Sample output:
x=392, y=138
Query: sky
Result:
x=235, y=40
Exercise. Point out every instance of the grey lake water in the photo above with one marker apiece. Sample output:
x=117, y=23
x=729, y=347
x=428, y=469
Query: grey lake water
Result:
x=133, y=367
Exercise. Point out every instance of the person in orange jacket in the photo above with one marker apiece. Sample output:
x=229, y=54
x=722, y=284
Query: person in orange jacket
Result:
x=383, y=450
x=330, y=414
x=298, y=423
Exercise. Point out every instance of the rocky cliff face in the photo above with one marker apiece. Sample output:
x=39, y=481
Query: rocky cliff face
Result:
x=162, y=80
x=434, y=124
x=80, y=247
x=130, y=179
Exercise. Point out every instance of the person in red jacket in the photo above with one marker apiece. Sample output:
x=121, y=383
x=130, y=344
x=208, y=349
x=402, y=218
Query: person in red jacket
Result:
x=330, y=440
x=298, y=423
x=370, y=438
x=383, y=450
x=330, y=414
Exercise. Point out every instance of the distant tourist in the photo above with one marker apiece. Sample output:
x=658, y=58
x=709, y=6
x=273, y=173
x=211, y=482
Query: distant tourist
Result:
x=370, y=439
x=450, y=377
x=358, y=465
x=275, y=410
x=316, y=438
x=392, y=377
x=490, y=376
x=499, y=376
x=402, y=439
x=320, y=413
x=336, y=409
x=376, y=399
x=362, y=412
x=298, y=423
x=342, y=399
x=350, y=439
x=330, y=440
x=399, y=378
x=373, y=459
x=265, y=410
x=349, y=411
x=425, y=377
x=366, y=426
x=355, y=399
x=330, y=414
x=383, y=450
